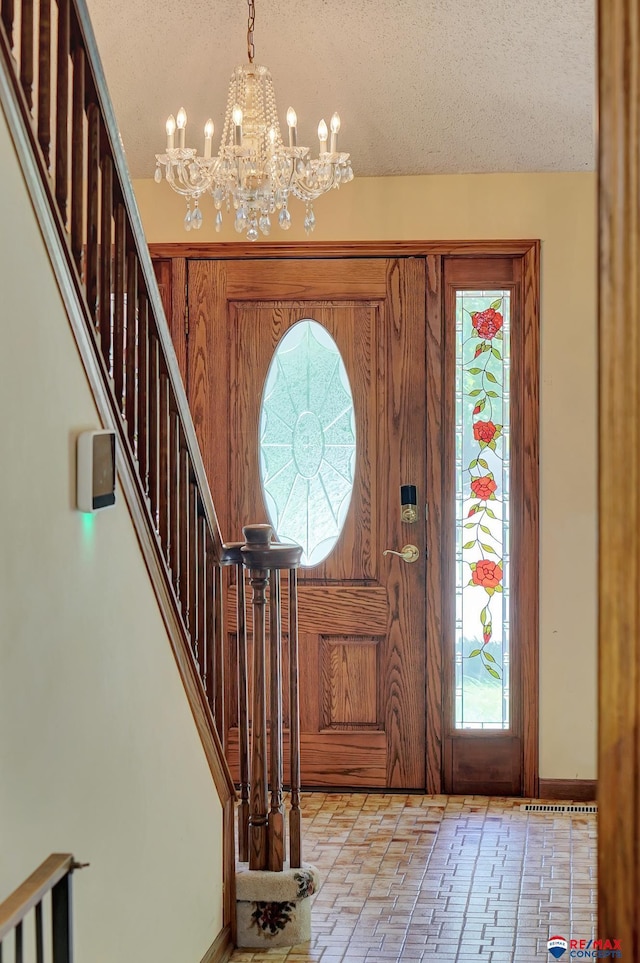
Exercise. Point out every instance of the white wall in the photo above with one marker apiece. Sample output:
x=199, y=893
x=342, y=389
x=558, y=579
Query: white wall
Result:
x=560, y=209
x=99, y=754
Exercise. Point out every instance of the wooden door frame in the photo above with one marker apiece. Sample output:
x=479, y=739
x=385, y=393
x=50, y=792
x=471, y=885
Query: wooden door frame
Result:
x=619, y=474
x=434, y=251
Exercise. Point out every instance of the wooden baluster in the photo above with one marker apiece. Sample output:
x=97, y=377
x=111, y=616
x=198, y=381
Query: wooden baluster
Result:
x=257, y=538
x=243, y=716
x=210, y=623
x=39, y=940
x=276, y=812
x=62, y=944
x=154, y=424
x=185, y=533
x=177, y=497
x=120, y=264
x=201, y=579
x=19, y=943
x=8, y=17
x=295, y=815
x=77, y=155
x=93, y=211
x=26, y=50
x=232, y=555
x=62, y=108
x=106, y=230
x=193, y=570
x=164, y=495
x=142, y=436
x=44, y=80
x=130, y=406
x=218, y=658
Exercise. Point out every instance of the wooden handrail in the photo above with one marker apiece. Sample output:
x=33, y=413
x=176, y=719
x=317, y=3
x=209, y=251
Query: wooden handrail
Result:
x=23, y=899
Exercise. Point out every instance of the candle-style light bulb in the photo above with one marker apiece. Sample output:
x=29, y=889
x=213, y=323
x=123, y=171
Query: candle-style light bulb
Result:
x=292, y=121
x=335, y=127
x=323, y=133
x=171, y=129
x=236, y=116
x=181, y=121
x=208, y=137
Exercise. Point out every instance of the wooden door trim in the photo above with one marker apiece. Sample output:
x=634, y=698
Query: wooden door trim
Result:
x=433, y=588
x=434, y=252
x=529, y=520
x=239, y=250
x=619, y=475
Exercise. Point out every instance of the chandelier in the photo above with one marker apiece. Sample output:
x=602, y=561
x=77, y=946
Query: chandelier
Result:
x=254, y=173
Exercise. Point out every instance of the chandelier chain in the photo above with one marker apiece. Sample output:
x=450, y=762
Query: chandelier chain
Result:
x=251, y=50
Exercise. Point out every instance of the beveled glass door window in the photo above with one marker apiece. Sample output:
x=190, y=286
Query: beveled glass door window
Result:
x=307, y=441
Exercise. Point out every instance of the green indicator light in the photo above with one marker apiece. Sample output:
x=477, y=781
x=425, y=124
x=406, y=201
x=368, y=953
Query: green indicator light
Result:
x=88, y=523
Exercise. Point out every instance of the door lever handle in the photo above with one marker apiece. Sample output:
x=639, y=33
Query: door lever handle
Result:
x=409, y=553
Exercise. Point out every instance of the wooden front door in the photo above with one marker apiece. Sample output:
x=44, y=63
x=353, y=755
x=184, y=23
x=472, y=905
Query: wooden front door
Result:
x=362, y=614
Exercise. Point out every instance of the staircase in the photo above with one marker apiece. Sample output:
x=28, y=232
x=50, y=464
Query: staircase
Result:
x=54, y=94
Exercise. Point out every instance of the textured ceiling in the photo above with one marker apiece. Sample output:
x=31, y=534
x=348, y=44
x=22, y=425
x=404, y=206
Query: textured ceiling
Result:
x=444, y=86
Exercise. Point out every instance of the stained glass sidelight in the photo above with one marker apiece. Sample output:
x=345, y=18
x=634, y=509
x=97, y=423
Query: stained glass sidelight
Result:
x=482, y=510
x=307, y=441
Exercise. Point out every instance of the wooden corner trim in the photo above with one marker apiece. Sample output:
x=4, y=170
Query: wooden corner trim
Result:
x=530, y=521
x=578, y=790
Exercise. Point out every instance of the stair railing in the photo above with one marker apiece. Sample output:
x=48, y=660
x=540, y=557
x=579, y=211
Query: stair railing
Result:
x=53, y=876
x=59, y=88
x=68, y=127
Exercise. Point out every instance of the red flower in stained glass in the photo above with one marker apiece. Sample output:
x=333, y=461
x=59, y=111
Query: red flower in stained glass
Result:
x=487, y=573
x=484, y=431
x=487, y=323
x=483, y=487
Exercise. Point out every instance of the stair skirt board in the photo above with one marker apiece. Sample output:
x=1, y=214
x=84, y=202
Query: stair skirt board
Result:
x=221, y=948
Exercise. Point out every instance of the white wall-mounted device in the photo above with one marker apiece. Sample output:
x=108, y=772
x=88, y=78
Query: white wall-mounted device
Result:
x=96, y=470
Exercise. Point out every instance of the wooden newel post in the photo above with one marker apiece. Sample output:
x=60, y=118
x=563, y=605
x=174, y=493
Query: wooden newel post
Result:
x=257, y=546
x=264, y=561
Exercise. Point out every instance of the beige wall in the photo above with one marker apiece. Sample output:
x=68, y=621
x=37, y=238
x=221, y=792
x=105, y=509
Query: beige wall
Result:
x=99, y=754
x=560, y=209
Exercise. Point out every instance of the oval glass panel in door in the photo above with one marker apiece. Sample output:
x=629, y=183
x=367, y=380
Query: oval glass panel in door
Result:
x=307, y=441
